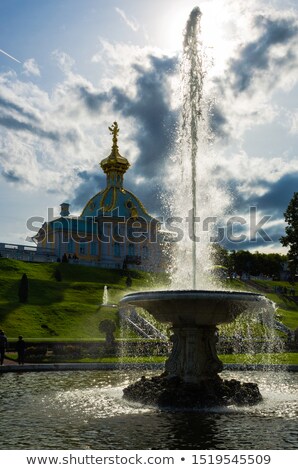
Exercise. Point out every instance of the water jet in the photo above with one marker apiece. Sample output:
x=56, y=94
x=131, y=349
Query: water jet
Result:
x=105, y=299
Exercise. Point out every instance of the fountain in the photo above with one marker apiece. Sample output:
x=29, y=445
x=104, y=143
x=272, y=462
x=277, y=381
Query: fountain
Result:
x=84, y=410
x=105, y=299
x=191, y=372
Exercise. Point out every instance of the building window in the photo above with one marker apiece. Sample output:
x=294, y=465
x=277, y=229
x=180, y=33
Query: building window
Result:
x=116, y=232
x=131, y=249
x=83, y=249
x=94, y=247
x=145, y=252
x=70, y=246
x=116, y=249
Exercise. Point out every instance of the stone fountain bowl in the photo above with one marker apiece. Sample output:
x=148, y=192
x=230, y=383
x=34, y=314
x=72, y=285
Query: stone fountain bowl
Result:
x=194, y=307
x=191, y=377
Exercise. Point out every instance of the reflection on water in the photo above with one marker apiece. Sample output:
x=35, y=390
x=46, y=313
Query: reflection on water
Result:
x=85, y=410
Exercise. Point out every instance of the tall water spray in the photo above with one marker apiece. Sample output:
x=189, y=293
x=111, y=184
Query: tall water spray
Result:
x=192, y=80
x=197, y=198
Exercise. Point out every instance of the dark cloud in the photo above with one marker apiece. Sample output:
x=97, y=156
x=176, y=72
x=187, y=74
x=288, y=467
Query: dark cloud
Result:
x=150, y=107
x=279, y=194
x=91, y=183
x=218, y=123
x=9, y=105
x=11, y=177
x=256, y=243
x=256, y=55
x=275, y=200
x=14, y=124
x=154, y=130
x=93, y=101
x=273, y=203
x=155, y=120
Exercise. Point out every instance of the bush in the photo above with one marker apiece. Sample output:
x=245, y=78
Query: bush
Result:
x=23, y=289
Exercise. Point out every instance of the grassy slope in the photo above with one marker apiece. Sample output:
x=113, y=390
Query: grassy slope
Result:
x=66, y=309
x=69, y=309
x=287, y=309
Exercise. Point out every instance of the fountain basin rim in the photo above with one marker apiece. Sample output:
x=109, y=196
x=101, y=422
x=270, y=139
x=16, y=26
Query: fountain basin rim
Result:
x=191, y=294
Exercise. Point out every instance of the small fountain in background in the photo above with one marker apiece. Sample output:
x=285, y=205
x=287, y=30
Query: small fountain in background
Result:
x=105, y=297
x=191, y=373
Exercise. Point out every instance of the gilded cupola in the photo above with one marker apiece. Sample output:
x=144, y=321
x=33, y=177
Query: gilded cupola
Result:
x=114, y=166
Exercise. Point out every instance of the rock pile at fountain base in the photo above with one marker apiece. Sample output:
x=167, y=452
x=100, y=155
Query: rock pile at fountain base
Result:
x=173, y=392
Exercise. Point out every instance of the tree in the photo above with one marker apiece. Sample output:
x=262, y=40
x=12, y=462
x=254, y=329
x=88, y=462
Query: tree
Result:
x=57, y=275
x=108, y=327
x=23, y=289
x=291, y=238
x=128, y=281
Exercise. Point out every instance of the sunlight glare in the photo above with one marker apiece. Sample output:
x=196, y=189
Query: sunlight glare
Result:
x=218, y=31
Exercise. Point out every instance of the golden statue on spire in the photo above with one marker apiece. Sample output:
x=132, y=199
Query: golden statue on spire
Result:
x=115, y=165
x=114, y=129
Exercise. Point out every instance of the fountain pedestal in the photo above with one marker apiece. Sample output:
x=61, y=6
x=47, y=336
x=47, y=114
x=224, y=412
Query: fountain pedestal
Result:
x=193, y=358
x=191, y=372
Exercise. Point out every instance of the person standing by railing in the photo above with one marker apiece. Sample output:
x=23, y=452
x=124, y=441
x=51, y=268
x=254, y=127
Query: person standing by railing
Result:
x=20, y=348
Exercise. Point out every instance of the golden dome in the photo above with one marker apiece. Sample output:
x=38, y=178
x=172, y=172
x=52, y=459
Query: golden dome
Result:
x=115, y=165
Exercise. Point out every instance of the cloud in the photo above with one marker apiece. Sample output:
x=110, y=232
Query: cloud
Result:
x=75, y=113
x=14, y=124
x=8, y=105
x=264, y=62
x=89, y=184
x=148, y=115
x=279, y=194
x=64, y=61
x=30, y=67
x=11, y=177
x=92, y=100
x=218, y=122
x=155, y=121
x=131, y=22
x=275, y=46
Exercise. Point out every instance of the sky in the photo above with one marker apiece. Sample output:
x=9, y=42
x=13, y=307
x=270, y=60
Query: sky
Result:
x=70, y=68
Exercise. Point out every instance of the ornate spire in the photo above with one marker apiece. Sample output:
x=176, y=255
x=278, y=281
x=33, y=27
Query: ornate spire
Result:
x=115, y=165
x=114, y=129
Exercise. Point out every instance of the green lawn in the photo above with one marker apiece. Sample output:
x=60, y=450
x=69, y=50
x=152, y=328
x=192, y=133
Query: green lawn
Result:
x=70, y=309
x=287, y=308
x=266, y=359
x=66, y=309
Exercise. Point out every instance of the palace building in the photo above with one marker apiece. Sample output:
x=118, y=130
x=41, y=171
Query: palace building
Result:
x=114, y=229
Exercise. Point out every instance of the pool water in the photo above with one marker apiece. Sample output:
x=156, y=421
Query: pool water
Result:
x=85, y=410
